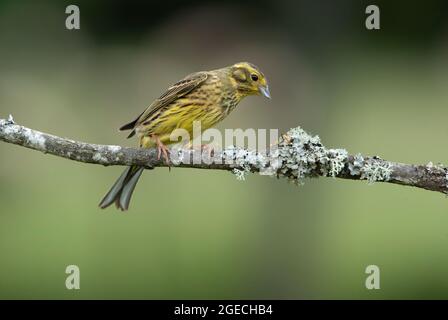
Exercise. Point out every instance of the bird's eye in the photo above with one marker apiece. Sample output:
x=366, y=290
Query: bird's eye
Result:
x=254, y=77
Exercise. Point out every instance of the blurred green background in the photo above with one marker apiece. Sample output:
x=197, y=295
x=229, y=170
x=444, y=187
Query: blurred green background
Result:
x=203, y=234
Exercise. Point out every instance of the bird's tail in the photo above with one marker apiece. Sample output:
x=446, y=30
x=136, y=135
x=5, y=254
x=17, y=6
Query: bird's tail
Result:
x=121, y=191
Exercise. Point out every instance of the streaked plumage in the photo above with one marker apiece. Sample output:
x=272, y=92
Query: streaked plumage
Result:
x=206, y=96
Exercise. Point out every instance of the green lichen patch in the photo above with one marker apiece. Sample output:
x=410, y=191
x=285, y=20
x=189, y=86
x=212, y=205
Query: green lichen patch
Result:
x=300, y=155
x=446, y=181
x=371, y=169
x=245, y=161
x=9, y=121
x=376, y=169
x=355, y=167
x=303, y=156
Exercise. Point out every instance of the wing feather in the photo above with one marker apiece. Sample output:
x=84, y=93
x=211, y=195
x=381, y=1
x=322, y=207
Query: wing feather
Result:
x=176, y=91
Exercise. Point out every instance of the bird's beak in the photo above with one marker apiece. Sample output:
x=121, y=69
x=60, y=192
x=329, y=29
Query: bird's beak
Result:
x=265, y=91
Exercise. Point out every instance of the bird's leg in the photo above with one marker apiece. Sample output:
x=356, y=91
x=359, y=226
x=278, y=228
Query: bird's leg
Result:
x=161, y=150
x=209, y=148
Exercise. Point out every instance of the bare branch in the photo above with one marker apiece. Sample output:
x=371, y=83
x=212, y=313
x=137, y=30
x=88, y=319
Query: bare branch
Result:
x=298, y=155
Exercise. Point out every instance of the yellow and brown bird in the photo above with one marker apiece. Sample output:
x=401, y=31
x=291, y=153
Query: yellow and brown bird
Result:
x=206, y=96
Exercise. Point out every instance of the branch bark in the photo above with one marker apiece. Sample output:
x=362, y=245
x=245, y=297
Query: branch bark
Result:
x=298, y=156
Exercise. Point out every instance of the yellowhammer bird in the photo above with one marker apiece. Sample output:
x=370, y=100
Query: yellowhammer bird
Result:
x=206, y=96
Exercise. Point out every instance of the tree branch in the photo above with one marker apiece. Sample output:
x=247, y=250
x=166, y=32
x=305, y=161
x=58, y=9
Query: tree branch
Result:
x=297, y=155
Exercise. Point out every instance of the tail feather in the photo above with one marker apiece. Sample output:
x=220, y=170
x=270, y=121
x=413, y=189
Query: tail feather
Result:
x=126, y=193
x=121, y=191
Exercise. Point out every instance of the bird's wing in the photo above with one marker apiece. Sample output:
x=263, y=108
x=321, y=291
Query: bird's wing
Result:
x=176, y=91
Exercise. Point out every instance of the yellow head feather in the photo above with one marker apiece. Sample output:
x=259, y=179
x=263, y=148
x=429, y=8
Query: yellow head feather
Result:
x=248, y=79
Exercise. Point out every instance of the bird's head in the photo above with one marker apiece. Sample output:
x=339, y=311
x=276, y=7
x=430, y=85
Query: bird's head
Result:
x=249, y=80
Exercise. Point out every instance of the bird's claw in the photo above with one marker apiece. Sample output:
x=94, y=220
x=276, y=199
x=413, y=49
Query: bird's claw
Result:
x=209, y=148
x=162, y=150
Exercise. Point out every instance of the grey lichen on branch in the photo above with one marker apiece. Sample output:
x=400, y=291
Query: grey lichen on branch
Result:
x=296, y=156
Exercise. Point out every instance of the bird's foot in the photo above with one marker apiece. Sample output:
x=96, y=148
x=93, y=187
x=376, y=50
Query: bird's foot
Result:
x=209, y=149
x=163, y=150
